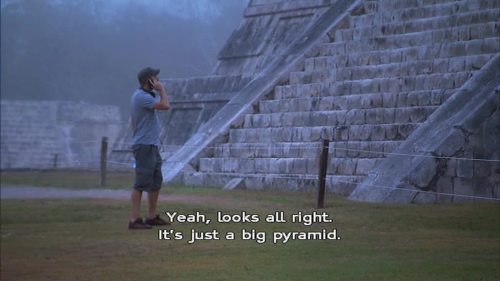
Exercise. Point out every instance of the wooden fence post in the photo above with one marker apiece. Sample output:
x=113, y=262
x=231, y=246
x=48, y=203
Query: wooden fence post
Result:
x=104, y=160
x=55, y=161
x=323, y=165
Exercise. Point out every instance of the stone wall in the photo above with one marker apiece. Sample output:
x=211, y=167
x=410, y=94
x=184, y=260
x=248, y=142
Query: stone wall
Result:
x=453, y=156
x=55, y=134
x=268, y=27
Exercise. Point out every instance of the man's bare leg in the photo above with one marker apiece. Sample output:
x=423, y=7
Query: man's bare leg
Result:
x=135, y=197
x=152, y=202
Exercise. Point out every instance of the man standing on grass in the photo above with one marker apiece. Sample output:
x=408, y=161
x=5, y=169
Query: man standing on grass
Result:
x=145, y=145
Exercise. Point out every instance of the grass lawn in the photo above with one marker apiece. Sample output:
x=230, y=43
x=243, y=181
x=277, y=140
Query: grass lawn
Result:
x=66, y=178
x=83, y=239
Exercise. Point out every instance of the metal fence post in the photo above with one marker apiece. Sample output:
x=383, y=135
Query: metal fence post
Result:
x=104, y=160
x=323, y=165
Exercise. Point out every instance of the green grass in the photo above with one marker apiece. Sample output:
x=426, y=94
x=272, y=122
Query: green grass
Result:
x=66, y=178
x=88, y=240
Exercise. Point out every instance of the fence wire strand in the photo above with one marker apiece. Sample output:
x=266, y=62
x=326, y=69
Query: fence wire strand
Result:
x=313, y=146
x=290, y=145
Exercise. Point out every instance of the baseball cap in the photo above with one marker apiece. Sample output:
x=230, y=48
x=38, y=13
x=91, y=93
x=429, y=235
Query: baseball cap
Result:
x=146, y=73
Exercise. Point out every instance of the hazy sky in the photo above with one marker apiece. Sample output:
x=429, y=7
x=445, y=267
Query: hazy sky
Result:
x=91, y=50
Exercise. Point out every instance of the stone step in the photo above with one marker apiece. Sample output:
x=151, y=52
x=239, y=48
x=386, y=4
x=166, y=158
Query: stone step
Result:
x=308, y=77
x=424, y=82
x=304, y=166
x=487, y=18
x=348, y=102
x=342, y=149
x=367, y=132
x=362, y=149
x=300, y=91
x=259, y=165
x=373, y=86
x=419, y=19
x=381, y=70
x=412, y=68
x=452, y=40
x=266, y=150
x=368, y=7
x=437, y=36
x=319, y=63
x=412, y=13
x=341, y=185
x=405, y=4
x=474, y=48
x=416, y=114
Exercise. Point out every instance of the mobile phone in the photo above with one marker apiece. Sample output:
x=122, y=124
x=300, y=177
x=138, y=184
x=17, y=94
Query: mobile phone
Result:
x=151, y=83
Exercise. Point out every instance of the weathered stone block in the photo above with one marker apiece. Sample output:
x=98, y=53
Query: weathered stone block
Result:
x=402, y=115
x=356, y=116
x=339, y=149
x=313, y=166
x=436, y=97
x=419, y=114
x=356, y=101
x=280, y=119
x=346, y=166
x=444, y=189
x=206, y=164
x=463, y=186
x=405, y=130
x=425, y=198
x=422, y=175
x=359, y=149
x=258, y=135
x=371, y=116
x=281, y=135
x=378, y=133
x=496, y=189
x=424, y=98
x=262, y=165
x=465, y=169
x=194, y=179
x=359, y=133
x=483, y=188
x=454, y=143
x=456, y=64
x=391, y=133
x=309, y=64
x=482, y=169
x=451, y=168
x=412, y=99
x=247, y=166
x=389, y=99
x=364, y=166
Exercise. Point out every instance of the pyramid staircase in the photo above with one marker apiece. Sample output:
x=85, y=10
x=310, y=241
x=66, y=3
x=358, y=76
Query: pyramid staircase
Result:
x=366, y=88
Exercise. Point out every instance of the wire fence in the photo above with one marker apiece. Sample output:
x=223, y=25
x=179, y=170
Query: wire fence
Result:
x=312, y=146
x=288, y=145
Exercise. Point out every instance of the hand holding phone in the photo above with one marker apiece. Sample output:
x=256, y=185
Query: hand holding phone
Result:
x=155, y=84
x=151, y=83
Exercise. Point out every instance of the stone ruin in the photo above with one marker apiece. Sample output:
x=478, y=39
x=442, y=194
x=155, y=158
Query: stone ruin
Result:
x=407, y=91
x=55, y=134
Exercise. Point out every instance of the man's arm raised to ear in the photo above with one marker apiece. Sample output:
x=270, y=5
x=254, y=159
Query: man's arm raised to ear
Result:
x=163, y=104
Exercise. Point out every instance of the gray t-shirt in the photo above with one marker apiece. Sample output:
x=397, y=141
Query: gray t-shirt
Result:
x=145, y=123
